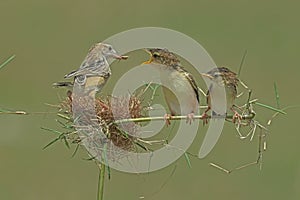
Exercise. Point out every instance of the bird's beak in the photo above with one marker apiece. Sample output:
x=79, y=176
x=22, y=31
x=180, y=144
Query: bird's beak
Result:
x=116, y=56
x=151, y=58
x=207, y=75
x=149, y=61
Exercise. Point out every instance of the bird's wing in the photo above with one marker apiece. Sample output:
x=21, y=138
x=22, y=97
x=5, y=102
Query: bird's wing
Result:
x=90, y=71
x=98, y=67
x=192, y=81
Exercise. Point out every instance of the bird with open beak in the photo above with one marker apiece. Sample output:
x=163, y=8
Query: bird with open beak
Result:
x=179, y=87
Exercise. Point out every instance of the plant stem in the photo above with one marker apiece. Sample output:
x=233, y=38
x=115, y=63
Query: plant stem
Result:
x=7, y=61
x=145, y=119
x=101, y=181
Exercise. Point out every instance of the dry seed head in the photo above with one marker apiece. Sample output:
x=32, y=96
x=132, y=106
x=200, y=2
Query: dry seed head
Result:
x=105, y=116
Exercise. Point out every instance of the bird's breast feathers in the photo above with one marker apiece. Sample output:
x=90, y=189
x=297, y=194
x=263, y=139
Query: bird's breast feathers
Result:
x=179, y=91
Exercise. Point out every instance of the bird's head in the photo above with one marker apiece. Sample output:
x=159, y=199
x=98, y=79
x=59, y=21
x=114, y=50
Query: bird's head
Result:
x=222, y=75
x=162, y=56
x=212, y=74
x=106, y=50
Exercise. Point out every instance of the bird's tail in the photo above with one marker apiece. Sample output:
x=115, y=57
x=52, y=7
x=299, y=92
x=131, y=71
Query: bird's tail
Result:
x=62, y=84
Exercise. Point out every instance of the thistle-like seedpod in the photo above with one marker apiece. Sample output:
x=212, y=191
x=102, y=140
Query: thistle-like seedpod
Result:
x=104, y=111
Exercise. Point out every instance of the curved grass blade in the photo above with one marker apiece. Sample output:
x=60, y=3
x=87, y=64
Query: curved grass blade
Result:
x=61, y=135
x=276, y=114
x=270, y=107
x=17, y=112
x=187, y=158
x=242, y=62
x=276, y=95
x=75, y=151
x=7, y=61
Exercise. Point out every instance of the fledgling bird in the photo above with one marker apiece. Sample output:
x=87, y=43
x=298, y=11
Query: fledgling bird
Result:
x=94, y=70
x=223, y=76
x=177, y=82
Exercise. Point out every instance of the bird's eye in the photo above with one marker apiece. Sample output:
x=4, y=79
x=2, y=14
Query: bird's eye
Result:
x=155, y=54
x=110, y=48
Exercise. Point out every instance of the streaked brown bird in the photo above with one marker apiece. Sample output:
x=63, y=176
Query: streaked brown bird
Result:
x=180, y=89
x=94, y=70
x=223, y=76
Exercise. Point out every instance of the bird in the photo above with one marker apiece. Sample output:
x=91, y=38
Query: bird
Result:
x=177, y=82
x=223, y=76
x=94, y=70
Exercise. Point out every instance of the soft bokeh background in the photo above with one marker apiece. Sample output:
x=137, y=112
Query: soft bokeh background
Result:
x=50, y=38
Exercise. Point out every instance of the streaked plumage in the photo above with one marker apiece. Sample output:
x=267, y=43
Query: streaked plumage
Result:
x=223, y=76
x=180, y=82
x=95, y=67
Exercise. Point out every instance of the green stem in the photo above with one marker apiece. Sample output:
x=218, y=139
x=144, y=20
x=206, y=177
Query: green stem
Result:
x=101, y=181
x=14, y=112
x=7, y=61
x=145, y=119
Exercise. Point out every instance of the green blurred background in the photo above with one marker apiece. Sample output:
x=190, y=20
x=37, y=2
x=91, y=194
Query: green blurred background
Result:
x=51, y=38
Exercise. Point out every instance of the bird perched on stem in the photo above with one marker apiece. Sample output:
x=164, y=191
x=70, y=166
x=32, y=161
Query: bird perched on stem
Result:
x=94, y=70
x=180, y=89
x=222, y=76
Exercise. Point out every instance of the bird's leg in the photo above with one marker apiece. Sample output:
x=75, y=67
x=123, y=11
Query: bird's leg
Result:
x=238, y=107
x=69, y=95
x=190, y=118
x=236, y=116
x=204, y=116
x=167, y=118
x=103, y=105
